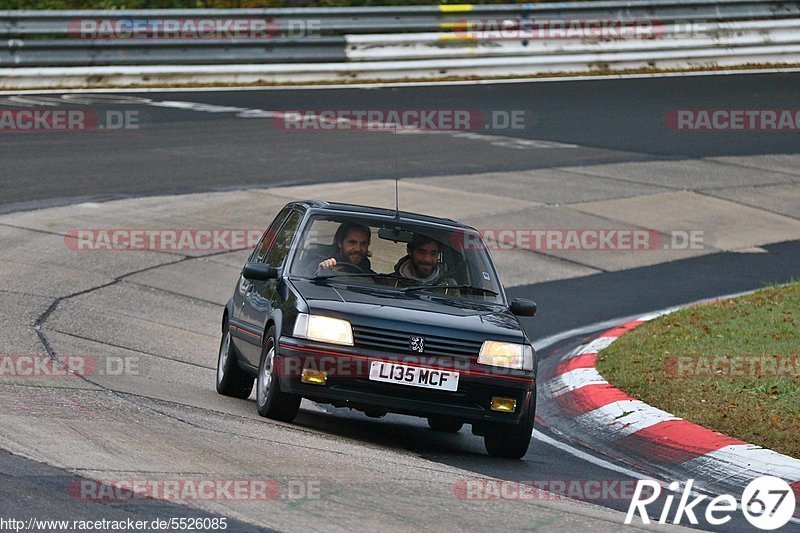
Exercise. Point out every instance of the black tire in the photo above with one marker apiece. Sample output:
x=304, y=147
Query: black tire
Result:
x=511, y=442
x=271, y=402
x=445, y=425
x=231, y=380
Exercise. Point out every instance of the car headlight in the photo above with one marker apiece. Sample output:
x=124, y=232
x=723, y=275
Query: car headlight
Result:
x=506, y=354
x=323, y=329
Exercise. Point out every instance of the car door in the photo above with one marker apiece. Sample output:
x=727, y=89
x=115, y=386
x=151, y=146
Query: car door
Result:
x=259, y=297
x=240, y=335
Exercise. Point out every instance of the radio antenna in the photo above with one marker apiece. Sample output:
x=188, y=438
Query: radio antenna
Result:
x=396, y=194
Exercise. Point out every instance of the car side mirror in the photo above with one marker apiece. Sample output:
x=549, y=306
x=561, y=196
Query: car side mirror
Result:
x=523, y=307
x=259, y=272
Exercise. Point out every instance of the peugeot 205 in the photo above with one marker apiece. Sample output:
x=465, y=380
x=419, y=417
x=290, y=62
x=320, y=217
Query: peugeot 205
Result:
x=381, y=311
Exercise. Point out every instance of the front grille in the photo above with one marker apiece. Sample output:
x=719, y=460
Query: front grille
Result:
x=389, y=340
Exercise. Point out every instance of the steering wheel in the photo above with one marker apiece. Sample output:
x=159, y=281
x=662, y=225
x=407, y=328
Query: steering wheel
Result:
x=342, y=266
x=347, y=267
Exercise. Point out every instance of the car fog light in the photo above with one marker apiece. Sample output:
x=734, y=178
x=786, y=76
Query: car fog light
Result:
x=505, y=405
x=313, y=377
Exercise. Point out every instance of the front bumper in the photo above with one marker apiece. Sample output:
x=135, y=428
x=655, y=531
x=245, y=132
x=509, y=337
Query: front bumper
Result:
x=348, y=383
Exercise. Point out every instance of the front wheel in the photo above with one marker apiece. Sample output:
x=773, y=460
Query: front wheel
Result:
x=511, y=442
x=271, y=402
x=231, y=380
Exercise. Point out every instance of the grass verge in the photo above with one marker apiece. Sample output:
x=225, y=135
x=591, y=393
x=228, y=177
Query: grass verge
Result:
x=731, y=366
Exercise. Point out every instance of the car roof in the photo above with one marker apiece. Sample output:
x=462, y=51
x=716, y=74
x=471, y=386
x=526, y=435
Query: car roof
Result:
x=405, y=216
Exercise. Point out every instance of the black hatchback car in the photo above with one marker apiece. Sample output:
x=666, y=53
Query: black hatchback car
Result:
x=380, y=311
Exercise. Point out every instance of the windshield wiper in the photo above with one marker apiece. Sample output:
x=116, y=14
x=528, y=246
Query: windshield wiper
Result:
x=462, y=287
x=349, y=275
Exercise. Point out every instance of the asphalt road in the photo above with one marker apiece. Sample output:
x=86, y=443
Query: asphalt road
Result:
x=193, y=149
x=181, y=150
x=563, y=305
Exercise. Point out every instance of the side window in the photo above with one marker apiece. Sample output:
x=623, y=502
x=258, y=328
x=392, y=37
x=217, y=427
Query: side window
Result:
x=268, y=237
x=283, y=240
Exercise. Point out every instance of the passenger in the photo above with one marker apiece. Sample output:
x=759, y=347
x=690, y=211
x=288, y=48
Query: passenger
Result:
x=352, y=244
x=422, y=262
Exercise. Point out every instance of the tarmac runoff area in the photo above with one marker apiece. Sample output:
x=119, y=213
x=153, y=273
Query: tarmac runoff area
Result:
x=158, y=312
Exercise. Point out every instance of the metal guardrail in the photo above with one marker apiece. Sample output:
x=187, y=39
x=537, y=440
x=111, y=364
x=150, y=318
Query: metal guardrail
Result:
x=394, y=42
x=175, y=52
x=400, y=19
x=719, y=35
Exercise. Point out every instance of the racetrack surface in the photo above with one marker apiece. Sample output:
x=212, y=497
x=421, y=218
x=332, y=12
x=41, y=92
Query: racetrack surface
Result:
x=164, y=308
x=611, y=121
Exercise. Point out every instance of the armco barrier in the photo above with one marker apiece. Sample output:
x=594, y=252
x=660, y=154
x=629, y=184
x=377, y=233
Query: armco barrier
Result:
x=50, y=48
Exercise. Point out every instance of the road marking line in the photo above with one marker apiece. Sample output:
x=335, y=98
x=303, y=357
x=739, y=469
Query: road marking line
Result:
x=602, y=463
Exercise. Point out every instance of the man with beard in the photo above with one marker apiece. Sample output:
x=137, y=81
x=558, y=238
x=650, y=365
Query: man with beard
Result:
x=422, y=263
x=352, y=241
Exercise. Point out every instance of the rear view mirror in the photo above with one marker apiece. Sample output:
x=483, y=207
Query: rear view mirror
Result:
x=523, y=307
x=395, y=234
x=259, y=272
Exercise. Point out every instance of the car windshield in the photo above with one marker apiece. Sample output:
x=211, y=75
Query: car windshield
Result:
x=398, y=256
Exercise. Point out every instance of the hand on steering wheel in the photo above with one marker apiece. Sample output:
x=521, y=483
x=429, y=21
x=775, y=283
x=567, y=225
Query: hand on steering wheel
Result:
x=339, y=266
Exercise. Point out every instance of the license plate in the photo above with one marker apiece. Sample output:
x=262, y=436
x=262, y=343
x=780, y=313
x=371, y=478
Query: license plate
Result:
x=414, y=376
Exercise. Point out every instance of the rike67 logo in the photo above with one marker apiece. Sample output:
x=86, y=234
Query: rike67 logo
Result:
x=767, y=503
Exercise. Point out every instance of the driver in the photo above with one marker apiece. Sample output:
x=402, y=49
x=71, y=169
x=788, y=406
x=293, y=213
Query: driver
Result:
x=352, y=241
